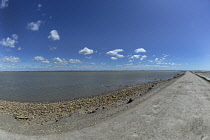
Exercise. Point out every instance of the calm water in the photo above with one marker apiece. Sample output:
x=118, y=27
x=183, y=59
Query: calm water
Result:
x=54, y=86
x=205, y=74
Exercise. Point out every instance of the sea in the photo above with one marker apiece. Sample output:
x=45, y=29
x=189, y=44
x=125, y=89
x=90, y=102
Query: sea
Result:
x=68, y=85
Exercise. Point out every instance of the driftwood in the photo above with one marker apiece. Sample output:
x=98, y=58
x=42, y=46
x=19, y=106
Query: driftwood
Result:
x=21, y=118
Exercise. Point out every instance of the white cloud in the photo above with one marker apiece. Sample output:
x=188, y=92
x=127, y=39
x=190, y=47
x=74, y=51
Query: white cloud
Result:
x=150, y=61
x=140, y=50
x=9, y=42
x=15, y=37
x=54, y=35
x=173, y=64
x=58, y=60
x=34, y=26
x=86, y=51
x=75, y=61
x=53, y=48
x=39, y=6
x=11, y=59
x=160, y=60
x=4, y=4
x=165, y=55
x=118, y=50
x=19, y=48
x=46, y=61
x=143, y=57
x=135, y=57
x=113, y=58
x=40, y=58
x=115, y=53
x=119, y=56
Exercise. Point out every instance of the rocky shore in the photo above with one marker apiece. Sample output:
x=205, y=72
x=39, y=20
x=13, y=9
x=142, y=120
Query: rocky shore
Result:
x=40, y=113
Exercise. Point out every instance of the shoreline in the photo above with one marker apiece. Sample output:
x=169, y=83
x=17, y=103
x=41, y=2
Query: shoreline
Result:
x=53, y=114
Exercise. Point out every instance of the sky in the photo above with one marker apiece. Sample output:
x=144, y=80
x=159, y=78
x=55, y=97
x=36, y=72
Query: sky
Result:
x=42, y=35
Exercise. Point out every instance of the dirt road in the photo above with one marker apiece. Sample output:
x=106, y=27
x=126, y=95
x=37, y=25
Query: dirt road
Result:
x=179, y=111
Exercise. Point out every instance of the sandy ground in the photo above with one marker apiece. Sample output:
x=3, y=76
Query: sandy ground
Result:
x=178, y=110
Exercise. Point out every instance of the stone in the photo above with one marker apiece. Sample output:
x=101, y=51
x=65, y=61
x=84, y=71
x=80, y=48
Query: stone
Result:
x=129, y=101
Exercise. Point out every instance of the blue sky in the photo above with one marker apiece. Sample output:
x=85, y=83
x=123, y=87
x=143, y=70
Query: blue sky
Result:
x=104, y=35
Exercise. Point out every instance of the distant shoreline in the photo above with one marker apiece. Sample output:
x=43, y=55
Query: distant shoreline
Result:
x=95, y=71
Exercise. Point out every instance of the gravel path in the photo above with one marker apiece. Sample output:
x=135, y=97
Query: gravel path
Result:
x=179, y=111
